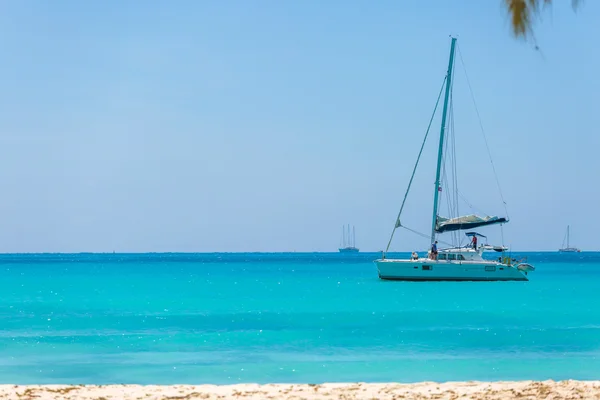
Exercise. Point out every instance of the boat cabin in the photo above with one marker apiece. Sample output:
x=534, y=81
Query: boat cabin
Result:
x=459, y=254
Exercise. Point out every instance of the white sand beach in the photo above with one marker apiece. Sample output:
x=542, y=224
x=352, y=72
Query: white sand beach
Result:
x=425, y=390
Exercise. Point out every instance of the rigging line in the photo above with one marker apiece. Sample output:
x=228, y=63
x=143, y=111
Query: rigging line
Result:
x=444, y=182
x=482, y=131
x=424, y=235
x=453, y=140
x=446, y=194
x=449, y=174
x=454, y=195
x=471, y=206
x=397, y=223
x=450, y=157
x=454, y=164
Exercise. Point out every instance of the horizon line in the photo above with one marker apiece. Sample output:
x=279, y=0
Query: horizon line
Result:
x=249, y=252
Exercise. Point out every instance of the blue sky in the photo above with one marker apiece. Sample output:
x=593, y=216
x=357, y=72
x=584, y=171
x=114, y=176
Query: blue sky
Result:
x=266, y=125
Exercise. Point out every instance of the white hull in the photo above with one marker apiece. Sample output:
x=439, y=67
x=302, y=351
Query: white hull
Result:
x=430, y=270
x=569, y=250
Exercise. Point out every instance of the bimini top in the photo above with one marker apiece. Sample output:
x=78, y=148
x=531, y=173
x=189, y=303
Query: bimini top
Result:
x=466, y=222
x=471, y=234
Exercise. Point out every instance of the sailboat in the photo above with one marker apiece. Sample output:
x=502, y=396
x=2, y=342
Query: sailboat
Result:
x=568, y=249
x=455, y=263
x=348, y=244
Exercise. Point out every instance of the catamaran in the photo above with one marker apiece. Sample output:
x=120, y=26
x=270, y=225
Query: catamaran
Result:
x=568, y=249
x=458, y=262
x=348, y=243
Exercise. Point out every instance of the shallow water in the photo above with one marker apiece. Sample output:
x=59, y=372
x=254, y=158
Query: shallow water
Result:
x=230, y=318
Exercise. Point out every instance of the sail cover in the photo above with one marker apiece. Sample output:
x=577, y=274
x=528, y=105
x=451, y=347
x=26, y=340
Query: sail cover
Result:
x=466, y=222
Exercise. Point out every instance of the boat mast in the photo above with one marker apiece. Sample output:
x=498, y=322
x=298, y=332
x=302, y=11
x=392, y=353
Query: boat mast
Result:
x=568, y=237
x=353, y=237
x=441, y=148
x=349, y=235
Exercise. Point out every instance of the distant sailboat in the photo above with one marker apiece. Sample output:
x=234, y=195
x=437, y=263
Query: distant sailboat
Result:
x=568, y=249
x=348, y=243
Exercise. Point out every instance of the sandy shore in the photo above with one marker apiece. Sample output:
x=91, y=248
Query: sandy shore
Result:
x=425, y=390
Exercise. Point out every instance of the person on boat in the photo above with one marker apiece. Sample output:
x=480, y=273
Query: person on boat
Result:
x=414, y=256
x=474, y=242
x=434, y=251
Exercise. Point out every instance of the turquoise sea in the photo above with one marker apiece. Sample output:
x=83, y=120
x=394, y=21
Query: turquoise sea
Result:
x=230, y=318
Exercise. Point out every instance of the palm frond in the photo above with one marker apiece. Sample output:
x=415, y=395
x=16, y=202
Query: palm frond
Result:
x=523, y=12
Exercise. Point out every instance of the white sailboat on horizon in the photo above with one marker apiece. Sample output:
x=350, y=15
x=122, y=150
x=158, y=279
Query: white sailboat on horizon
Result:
x=568, y=248
x=348, y=243
x=457, y=263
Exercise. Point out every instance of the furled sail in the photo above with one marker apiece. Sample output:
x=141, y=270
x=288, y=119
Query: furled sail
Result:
x=466, y=222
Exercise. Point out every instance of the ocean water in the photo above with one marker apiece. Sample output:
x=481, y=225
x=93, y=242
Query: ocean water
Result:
x=231, y=318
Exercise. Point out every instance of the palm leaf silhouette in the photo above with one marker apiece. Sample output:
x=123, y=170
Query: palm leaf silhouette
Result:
x=523, y=12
